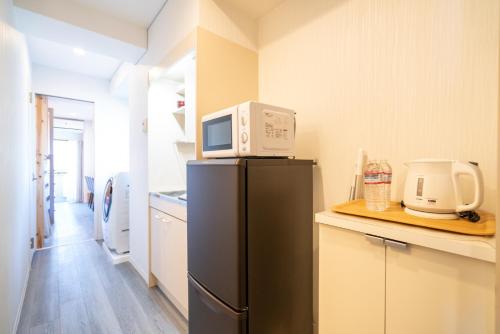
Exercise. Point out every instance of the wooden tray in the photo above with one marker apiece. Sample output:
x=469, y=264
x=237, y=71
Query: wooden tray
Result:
x=486, y=226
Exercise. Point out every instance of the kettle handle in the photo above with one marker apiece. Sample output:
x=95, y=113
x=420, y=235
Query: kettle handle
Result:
x=461, y=168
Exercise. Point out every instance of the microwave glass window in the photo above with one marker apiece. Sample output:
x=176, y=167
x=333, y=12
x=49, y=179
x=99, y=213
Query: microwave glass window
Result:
x=217, y=134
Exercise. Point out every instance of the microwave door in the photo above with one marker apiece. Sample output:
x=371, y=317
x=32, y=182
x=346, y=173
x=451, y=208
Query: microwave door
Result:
x=220, y=135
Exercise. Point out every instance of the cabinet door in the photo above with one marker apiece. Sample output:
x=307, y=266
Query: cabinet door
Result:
x=434, y=292
x=156, y=242
x=351, y=282
x=175, y=262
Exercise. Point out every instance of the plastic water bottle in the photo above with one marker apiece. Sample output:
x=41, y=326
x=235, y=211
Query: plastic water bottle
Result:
x=374, y=187
x=387, y=179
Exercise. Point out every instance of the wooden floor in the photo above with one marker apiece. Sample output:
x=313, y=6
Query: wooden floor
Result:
x=75, y=289
x=72, y=222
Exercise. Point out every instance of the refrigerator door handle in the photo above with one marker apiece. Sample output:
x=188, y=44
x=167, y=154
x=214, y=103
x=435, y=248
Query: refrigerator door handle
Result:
x=213, y=303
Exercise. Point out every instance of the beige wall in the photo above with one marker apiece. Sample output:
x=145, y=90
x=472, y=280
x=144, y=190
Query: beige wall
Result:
x=226, y=74
x=402, y=79
x=219, y=17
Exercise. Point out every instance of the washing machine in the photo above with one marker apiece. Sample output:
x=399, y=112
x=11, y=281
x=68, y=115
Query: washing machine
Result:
x=115, y=215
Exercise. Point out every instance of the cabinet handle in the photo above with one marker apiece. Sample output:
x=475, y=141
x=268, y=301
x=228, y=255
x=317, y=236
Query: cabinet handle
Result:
x=374, y=238
x=396, y=244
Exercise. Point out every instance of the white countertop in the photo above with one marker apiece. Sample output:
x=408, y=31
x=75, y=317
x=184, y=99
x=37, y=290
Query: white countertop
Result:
x=168, y=198
x=481, y=248
x=169, y=205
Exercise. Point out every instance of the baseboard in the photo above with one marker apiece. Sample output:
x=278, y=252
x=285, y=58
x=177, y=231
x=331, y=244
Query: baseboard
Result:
x=23, y=296
x=114, y=257
x=144, y=276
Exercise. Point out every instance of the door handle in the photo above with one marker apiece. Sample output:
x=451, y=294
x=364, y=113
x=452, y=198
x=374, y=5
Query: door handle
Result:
x=374, y=239
x=396, y=244
x=214, y=304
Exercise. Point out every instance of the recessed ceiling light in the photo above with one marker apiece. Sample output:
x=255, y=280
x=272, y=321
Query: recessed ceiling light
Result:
x=79, y=51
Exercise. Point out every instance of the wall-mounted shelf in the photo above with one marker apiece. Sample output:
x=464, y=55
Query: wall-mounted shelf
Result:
x=181, y=91
x=184, y=142
x=180, y=111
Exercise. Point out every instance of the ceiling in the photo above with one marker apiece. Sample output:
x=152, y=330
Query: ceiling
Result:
x=138, y=12
x=71, y=109
x=254, y=8
x=63, y=57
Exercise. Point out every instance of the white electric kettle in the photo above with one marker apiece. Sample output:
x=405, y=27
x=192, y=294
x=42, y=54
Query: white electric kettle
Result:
x=432, y=188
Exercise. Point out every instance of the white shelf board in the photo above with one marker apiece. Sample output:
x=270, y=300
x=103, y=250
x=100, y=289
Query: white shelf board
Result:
x=184, y=142
x=180, y=111
x=181, y=91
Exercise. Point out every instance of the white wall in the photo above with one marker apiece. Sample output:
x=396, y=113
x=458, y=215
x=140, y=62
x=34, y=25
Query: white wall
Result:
x=111, y=123
x=16, y=167
x=402, y=79
x=165, y=171
x=139, y=192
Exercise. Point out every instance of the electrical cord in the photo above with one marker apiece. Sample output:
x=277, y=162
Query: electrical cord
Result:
x=471, y=216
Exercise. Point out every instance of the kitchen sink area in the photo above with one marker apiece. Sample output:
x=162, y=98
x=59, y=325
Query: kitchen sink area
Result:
x=175, y=195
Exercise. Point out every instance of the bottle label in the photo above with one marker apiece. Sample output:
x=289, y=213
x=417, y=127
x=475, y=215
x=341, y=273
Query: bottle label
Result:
x=387, y=177
x=373, y=178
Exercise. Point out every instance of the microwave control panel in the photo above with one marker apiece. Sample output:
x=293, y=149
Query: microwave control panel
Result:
x=243, y=127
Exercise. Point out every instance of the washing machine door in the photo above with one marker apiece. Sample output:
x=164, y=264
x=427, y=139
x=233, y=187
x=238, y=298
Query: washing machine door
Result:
x=108, y=200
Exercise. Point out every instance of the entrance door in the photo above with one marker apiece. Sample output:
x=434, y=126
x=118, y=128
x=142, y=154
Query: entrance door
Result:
x=44, y=169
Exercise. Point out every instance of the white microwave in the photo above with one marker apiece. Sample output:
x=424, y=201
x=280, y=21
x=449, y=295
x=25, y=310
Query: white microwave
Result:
x=250, y=129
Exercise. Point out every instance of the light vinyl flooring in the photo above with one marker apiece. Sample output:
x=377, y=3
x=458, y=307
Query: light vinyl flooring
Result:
x=72, y=222
x=74, y=289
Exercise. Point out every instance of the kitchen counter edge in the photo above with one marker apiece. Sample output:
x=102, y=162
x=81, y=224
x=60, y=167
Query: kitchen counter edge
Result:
x=477, y=247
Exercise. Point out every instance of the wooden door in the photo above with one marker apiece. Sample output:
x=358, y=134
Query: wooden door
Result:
x=42, y=168
x=351, y=282
x=434, y=292
x=50, y=177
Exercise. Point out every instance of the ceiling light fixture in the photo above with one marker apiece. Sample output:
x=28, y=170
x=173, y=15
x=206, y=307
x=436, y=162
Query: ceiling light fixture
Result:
x=79, y=51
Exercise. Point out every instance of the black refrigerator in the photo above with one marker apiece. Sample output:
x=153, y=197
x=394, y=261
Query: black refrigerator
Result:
x=250, y=246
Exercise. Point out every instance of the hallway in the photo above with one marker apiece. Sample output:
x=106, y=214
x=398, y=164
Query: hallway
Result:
x=72, y=222
x=75, y=289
